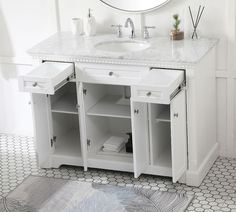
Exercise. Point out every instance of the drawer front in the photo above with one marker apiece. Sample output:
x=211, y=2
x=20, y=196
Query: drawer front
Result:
x=141, y=94
x=46, y=78
x=107, y=75
x=36, y=86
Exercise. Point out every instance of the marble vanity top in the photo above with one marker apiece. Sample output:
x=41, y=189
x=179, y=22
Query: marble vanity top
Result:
x=67, y=47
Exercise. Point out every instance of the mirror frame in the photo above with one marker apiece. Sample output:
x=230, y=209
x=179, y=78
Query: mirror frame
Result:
x=137, y=11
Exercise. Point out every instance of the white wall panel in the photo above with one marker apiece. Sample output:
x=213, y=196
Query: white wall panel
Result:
x=24, y=23
x=15, y=110
x=222, y=114
x=232, y=147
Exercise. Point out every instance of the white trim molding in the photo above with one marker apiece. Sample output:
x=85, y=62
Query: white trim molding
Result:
x=16, y=60
x=229, y=75
x=57, y=14
x=195, y=177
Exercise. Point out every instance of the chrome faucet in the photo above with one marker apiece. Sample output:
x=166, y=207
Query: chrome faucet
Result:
x=131, y=23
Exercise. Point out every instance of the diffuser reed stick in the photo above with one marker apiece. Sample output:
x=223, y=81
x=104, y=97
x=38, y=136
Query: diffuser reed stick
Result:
x=197, y=20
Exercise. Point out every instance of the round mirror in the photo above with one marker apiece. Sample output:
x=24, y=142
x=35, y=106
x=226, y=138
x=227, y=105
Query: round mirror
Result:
x=135, y=5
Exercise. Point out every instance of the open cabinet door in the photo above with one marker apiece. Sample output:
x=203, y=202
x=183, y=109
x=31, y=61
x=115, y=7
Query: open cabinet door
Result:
x=82, y=124
x=43, y=129
x=140, y=137
x=178, y=136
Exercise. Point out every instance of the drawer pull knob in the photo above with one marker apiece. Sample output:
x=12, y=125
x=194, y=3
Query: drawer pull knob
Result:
x=136, y=111
x=149, y=93
x=111, y=73
x=35, y=84
x=176, y=115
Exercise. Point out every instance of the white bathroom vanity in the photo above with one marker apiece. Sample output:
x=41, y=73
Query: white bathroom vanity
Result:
x=164, y=93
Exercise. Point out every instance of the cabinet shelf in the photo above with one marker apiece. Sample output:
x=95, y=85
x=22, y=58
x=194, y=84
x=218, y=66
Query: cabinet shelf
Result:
x=109, y=106
x=65, y=104
x=122, y=153
x=164, y=116
x=97, y=153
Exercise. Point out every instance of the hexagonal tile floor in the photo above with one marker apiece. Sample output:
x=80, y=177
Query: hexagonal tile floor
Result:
x=18, y=160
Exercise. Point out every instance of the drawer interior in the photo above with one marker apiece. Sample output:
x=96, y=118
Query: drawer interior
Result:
x=51, y=70
x=158, y=86
x=163, y=79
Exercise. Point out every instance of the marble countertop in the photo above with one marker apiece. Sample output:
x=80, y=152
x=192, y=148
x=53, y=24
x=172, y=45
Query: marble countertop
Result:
x=161, y=50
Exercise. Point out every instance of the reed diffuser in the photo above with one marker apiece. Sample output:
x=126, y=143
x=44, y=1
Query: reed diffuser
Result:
x=175, y=33
x=196, y=21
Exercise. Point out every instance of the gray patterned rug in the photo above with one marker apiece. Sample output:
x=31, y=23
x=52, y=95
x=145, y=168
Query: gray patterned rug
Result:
x=41, y=194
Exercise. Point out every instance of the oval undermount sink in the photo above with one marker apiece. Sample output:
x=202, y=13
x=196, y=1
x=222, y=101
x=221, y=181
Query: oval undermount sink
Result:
x=123, y=46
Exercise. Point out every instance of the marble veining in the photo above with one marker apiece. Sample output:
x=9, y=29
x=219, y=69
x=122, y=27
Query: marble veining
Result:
x=161, y=50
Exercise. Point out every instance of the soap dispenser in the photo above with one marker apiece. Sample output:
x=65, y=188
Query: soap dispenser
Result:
x=90, y=25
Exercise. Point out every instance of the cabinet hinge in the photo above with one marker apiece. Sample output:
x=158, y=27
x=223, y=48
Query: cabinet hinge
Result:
x=53, y=140
x=85, y=91
x=88, y=142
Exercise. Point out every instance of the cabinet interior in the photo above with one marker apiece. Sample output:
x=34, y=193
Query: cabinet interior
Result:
x=65, y=125
x=67, y=134
x=65, y=99
x=107, y=100
x=160, y=136
x=107, y=114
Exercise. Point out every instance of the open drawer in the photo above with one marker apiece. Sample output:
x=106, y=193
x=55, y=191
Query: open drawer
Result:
x=46, y=78
x=158, y=86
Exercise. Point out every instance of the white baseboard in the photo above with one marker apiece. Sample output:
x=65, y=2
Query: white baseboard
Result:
x=195, y=178
x=227, y=154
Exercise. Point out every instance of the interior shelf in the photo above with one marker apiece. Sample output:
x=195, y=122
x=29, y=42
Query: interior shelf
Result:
x=96, y=151
x=164, y=116
x=110, y=106
x=65, y=104
x=68, y=144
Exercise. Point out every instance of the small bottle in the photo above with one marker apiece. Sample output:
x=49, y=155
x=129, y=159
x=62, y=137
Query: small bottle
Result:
x=90, y=25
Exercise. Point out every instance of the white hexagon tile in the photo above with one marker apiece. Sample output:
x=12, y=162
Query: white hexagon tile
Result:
x=18, y=160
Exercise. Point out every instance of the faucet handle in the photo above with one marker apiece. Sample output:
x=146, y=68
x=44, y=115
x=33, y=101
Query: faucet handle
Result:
x=146, y=34
x=119, y=31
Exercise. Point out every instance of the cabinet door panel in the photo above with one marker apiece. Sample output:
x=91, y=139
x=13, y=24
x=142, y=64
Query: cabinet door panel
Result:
x=82, y=123
x=178, y=136
x=140, y=137
x=42, y=128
